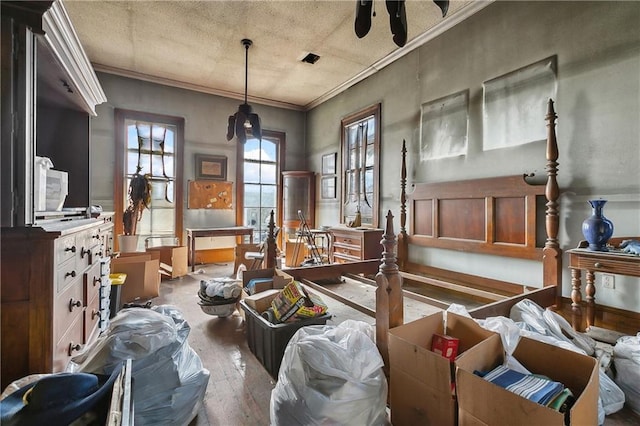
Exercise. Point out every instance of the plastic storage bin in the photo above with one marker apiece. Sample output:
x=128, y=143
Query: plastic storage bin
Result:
x=268, y=341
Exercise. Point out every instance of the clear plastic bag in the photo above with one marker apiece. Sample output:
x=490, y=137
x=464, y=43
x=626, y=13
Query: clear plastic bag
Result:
x=330, y=375
x=169, y=380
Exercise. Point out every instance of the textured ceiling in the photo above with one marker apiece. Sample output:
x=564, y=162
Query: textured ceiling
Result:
x=197, y=44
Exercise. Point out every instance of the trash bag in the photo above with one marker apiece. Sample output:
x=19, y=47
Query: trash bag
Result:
x=626, y=359
x=330, y=375
x=169, y=380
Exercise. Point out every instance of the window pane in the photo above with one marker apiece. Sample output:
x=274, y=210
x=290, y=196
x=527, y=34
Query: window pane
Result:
x=252, y=195
x=169, y=141
x=252, y=149
x=268, y=174
x=268, y=150
x=251, y=217
x=268, y=196
x=251, y=172
x=132, y=137
x=162, y=220
x=144, y=134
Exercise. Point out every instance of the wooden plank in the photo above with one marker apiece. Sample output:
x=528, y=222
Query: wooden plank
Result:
x=338, y=297
x=451, y=286
x=544, y=297
x=335, y=270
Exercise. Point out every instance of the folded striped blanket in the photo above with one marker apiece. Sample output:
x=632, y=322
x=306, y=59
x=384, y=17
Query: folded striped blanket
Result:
x=535, y=388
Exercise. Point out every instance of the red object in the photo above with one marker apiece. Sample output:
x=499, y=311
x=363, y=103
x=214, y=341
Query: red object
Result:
x=446, y=346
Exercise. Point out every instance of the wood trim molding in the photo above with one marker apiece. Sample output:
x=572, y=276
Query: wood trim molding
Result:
x=61, y=38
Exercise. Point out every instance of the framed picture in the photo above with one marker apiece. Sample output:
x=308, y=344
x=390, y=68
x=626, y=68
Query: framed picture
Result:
x=329, y=164
x=211, y=167
x=328, y=187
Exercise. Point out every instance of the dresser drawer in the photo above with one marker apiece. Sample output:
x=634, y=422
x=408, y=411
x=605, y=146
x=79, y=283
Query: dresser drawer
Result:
x=91, y=317
x=612, y=266
x=65, y=248
x=70, y=344
x=66, y=274
x=67, y=308
x=341, y=258
x=91, y=283
x=347, y=239
x=345, y=251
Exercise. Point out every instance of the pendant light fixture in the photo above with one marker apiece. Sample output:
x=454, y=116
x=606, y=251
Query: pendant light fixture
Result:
x=245, y=115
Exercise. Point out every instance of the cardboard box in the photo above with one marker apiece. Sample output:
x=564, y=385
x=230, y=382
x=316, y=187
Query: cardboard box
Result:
x=484, y=403
x=421, y=381
x=173, y=260
x=279, y=279
x=290, y=250
x=143, y=276
x=261, y=301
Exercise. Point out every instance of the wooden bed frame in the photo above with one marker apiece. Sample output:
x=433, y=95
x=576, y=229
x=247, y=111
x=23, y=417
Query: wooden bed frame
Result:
x=500, y=216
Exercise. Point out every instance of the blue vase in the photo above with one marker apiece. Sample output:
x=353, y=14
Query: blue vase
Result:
x=597, y=229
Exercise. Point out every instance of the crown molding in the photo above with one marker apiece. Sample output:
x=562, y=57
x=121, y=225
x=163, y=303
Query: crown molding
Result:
x=61, y=38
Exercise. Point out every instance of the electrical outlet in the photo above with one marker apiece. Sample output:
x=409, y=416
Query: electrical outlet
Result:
x=608, y=281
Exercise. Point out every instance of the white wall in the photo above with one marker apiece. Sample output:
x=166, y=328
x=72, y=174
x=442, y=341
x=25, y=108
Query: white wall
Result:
x=597, y=45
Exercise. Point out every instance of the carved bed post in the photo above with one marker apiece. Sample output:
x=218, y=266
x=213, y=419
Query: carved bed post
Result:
x=403, y=244
x=551, y=253
x=389, y=302
x=270, y=252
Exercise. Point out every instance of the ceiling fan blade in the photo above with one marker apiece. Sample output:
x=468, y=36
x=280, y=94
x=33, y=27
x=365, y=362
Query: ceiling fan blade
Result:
x=231, y=127
x=256, y=128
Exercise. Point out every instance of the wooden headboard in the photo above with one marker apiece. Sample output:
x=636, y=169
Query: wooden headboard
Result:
x=504, y=216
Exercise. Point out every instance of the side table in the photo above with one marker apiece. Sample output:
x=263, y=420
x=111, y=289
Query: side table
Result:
x=614, y=261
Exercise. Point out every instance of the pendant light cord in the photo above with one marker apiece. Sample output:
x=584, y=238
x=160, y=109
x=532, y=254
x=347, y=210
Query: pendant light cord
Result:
x=246, y=42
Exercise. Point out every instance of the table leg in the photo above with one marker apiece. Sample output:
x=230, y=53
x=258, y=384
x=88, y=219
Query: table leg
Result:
x=591, y=299
x=576, y=300
x=192, y=251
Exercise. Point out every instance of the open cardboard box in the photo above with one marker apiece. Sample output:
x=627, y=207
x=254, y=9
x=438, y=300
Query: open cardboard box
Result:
x=143, y=276
x=422, y=388
x=484, y=403
x=280, y=279
x=173, y=260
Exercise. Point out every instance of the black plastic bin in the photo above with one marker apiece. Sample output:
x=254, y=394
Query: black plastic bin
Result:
x=268, y=341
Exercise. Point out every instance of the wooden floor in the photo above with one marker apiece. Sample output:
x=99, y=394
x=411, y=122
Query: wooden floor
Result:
x=239, y=389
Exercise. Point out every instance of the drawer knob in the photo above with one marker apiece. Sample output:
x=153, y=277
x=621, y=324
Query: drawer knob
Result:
x=97, y=237
x=70, y=274
x=73, y=347
x=72, y=249
x=73, y=304
x=597, y=265
x=83, y=252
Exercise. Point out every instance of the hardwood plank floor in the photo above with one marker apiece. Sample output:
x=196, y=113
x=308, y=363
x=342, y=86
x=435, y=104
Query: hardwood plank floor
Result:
x=239, y=389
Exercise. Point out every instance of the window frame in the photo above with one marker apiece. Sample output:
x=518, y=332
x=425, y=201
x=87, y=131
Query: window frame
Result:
x=345, y=123
x=120, y=116
x=280, y=137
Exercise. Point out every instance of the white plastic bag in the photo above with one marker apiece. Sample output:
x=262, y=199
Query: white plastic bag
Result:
x=626, y=359
x=330, y=375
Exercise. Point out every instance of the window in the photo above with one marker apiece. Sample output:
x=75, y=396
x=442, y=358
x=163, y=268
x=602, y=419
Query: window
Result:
x=360, y=147
x=259, y=174
x=151, y=144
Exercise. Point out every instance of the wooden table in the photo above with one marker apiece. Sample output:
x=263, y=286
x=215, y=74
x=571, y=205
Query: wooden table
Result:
x=193, y=233
x=611, y=262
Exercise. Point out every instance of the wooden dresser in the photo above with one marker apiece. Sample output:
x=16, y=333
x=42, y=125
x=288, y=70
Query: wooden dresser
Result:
x=55, y=291
x=353, y=244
